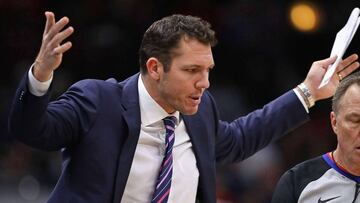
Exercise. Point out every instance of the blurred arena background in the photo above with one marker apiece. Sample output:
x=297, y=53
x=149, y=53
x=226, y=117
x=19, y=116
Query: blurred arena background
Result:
x=265, y=48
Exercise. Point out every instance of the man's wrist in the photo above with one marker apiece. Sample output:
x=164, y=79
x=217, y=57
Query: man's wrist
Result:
x=42, y=75
x=37, y=87
x=306, y=95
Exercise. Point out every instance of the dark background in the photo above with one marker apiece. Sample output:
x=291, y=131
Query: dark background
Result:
x=260, y=55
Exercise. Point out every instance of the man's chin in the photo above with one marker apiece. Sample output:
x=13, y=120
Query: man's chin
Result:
x=189, y=111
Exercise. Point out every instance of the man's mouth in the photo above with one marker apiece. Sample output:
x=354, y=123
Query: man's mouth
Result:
x=196, y=99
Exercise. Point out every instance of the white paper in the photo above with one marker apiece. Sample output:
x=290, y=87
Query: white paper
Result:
x=341, y=43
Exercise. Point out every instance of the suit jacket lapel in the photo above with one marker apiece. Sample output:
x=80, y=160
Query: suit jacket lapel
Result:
x=130, y=101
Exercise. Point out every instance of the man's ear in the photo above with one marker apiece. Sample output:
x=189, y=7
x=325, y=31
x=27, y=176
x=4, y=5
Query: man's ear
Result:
x=154, y=68
x=333, y=122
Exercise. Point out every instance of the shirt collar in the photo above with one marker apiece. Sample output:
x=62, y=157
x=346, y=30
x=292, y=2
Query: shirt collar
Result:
x=331, y=162
x=150, y=111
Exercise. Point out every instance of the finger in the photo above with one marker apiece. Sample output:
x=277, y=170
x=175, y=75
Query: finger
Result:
x=349, y=69
x=63, y=48
x=50, y=21
x=325, y=63
x=61, y=36
x=346, y=62
x=57, y=27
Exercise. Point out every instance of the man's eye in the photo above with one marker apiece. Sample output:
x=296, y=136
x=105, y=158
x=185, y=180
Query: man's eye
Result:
x=354, y=120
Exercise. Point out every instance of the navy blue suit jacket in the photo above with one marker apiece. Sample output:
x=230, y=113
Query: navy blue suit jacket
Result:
x=97, y=124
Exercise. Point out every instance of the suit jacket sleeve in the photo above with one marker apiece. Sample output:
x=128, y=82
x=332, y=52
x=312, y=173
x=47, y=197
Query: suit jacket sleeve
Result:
x=52, y=126
x=246, y=135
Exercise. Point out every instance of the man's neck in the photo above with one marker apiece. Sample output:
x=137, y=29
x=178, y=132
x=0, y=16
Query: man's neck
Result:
x=151, y=87
x=344, y=163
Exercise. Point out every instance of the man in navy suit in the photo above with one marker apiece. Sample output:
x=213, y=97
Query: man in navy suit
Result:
x=112, y=134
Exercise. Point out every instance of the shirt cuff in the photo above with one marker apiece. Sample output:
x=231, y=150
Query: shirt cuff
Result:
x=36, y=87
x=298, y=94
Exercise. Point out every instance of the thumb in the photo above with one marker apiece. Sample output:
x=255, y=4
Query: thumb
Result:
x=326, y=62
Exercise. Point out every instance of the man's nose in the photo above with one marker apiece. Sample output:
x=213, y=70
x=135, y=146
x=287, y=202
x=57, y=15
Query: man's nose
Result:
x=203, y=82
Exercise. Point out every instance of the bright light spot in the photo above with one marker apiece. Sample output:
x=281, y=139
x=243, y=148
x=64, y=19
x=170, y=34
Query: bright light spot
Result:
x=29, y=188
x=304, y=17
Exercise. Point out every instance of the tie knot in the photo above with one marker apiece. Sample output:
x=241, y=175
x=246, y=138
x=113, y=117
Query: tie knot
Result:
x=170, y=121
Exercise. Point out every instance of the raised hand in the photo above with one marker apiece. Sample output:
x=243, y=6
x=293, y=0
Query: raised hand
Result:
x=52, y=47
x=318, y=70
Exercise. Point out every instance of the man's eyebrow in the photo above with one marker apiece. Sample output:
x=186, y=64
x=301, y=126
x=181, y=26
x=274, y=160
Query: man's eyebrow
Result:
x=198, y=66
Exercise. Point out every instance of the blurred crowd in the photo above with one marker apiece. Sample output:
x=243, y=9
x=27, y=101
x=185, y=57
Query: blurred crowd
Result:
x=259, y=56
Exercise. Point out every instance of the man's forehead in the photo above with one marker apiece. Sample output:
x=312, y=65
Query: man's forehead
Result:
x=352, y=92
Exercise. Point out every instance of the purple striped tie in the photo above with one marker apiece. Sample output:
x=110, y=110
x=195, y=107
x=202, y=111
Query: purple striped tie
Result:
x=163, y=183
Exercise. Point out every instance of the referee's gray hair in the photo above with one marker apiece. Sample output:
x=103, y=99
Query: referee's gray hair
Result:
x=351, y=79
